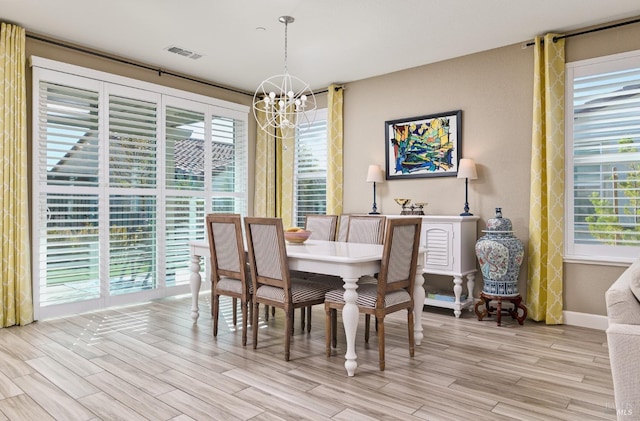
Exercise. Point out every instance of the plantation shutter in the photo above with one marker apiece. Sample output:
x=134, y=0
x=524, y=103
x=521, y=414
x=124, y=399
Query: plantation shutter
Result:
x=228, y=165
x=68, y=155
x=310, y=169
x=124, y=173
x=185, y=204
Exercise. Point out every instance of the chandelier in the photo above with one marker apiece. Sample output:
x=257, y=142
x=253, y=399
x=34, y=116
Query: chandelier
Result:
x=285, y=101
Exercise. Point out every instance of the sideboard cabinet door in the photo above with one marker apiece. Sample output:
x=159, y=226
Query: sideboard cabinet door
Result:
x=450, y=242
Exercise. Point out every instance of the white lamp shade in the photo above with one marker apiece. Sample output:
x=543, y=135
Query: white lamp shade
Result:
x=374, y=175
x=467, y=169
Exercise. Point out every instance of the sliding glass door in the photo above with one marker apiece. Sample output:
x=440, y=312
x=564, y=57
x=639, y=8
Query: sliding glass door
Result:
x=123, y=178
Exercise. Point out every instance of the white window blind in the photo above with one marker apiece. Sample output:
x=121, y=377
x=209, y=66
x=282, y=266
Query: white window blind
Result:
x=185, y=185
x=603, y=158
x=121, y=185
x=68, y=135
x=310, y=169
x=228, y=169
x=133, y=134
x=67, y=157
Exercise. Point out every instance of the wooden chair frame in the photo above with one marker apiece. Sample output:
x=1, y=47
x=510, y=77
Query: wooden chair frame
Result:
x=217, y=271
x=260, y=277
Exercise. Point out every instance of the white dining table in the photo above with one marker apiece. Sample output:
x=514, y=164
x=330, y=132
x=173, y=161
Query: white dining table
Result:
x=348, y=260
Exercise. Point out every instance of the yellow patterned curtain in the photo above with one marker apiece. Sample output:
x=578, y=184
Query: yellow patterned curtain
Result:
x=15, y=266
x=286, y=151
x=334, y=153
x=264, y=173
x=273, y=174
x=273, y=180
x=544, y=291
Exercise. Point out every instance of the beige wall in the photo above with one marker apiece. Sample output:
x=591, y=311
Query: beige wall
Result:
x=494, y=91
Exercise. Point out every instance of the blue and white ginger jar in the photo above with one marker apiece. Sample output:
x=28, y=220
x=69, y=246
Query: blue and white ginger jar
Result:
x=500, y=255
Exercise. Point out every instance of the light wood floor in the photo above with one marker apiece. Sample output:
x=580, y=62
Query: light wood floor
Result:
x=151, y=362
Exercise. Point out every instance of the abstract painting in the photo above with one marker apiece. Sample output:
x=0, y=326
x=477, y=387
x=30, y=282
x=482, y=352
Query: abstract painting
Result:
x=425, y=146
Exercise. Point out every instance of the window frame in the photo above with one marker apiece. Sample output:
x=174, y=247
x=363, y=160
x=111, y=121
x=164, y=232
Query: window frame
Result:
x=585, y=253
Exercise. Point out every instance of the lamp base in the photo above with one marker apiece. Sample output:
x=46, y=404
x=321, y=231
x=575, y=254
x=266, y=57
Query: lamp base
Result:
x=466, y=214
x=374, y=213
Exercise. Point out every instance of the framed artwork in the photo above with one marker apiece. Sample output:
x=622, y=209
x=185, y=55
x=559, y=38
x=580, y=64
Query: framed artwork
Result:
x=425, y=146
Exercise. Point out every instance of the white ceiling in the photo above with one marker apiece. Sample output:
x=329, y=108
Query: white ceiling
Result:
x=330, y=41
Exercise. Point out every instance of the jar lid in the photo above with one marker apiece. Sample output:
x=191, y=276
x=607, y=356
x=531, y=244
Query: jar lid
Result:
x=499, y=224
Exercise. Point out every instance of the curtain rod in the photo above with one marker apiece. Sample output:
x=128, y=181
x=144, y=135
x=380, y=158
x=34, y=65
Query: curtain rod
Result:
x=131, y=63
x=588, y=31
x=143, y=66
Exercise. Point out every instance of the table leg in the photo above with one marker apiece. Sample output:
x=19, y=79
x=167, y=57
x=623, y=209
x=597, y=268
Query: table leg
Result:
x=195, y=281
x=418, y=304
x=350, y=320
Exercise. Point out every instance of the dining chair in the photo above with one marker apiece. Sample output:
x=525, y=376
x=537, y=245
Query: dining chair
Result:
x=272, y=283
x=322, y=227
x=343, y=227
x=366, y=229
x=393, y=290
x=359, y=229
x=229, y=275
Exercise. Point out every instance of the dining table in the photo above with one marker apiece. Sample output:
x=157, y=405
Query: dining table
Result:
x=350, y=261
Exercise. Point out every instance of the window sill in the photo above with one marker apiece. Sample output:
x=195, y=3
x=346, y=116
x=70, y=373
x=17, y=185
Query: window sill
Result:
x=602, y=261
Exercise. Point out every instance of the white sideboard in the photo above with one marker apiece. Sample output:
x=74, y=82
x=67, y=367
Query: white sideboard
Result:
x=450, y=243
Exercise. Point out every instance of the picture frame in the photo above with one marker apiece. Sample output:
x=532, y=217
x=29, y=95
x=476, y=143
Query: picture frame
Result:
x=424, y=146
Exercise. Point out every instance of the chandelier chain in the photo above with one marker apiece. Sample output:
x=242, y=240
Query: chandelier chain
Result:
x=286, y=25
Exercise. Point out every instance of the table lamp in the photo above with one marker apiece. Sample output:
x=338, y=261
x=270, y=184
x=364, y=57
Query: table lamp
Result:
x=374, y=175
x=467, y=170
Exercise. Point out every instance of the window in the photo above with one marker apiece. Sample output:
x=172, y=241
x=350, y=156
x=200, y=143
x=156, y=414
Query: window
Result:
x=603, y=158
x=124, y=173
x=310, y=169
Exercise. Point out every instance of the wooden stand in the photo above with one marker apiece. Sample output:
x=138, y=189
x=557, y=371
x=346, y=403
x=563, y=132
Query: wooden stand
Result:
x=516, y=300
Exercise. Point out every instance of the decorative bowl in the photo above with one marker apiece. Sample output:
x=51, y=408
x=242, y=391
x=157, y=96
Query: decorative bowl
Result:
x=402, y=202
x=297, y=237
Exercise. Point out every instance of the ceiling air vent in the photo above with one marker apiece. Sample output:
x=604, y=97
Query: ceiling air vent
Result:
x=182, y=52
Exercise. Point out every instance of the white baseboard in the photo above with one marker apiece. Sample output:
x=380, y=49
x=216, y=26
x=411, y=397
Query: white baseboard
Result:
x=593, y=321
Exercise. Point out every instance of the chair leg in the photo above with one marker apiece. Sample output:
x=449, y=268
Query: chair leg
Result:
x=273, y=311
x=266, y=313
x=327, y=330
x=214, y=310
x=245, y=312
x=254, y=324
x=235, y=311
x=411, y=338
x=288, y=328
x=302, y=318
x=309, y=319
x=367, y=325
x=380, y=324
x=334, y=327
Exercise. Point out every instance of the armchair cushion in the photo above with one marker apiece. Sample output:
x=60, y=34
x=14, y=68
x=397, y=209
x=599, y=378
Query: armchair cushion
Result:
x=635, y=282
x=623, y=305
